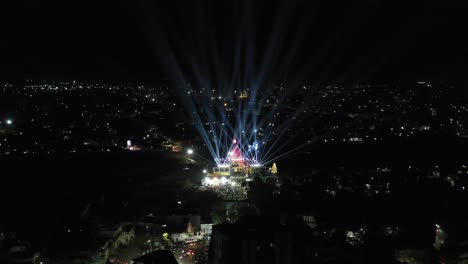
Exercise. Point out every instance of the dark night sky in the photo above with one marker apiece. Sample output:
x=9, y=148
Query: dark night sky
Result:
x=326, y=40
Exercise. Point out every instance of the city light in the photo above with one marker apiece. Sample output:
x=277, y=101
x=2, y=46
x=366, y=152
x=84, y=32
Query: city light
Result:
x=369, y=157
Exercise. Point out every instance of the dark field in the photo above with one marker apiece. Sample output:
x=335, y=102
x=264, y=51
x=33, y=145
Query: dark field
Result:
x=45, y=192
x=51, y=191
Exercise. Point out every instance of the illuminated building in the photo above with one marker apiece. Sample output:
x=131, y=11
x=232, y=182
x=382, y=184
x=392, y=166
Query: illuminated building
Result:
x=177, y=147
x=244, y=95
x=131, y=146
x=235, y=169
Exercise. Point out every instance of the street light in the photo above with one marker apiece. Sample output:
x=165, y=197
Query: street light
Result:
x=189, y=151
x=9, y=121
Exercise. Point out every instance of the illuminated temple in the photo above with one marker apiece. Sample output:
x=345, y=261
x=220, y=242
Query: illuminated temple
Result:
x=236, y=170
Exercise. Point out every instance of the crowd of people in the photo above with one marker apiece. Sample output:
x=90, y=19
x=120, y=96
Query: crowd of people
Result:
x=228, y=192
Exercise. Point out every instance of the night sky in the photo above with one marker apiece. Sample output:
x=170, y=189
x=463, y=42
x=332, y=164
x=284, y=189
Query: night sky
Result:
x=285, y=40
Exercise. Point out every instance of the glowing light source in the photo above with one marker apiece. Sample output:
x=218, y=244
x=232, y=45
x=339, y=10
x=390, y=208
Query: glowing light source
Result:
x=208, y=180
x=9, y=121
x=224, y=180
x=219, y=120
x=189, y=151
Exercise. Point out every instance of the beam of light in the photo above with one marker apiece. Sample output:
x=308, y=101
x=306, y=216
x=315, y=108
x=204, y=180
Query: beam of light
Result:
x=215, y=70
